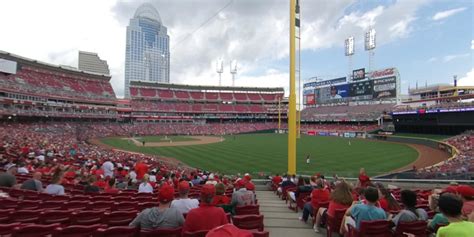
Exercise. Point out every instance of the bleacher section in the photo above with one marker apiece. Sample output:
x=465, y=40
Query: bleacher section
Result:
x=366, y=112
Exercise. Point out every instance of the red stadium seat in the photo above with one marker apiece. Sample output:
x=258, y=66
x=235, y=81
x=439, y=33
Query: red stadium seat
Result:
x=248, y=210
x=87, y=217
x=379, y=228
x=119, y=218
x=55, y=216
x=260, y=234
x=7, y=229
x=25, y=216
x=125, y=206
x=52, y=205
x=77, y=230
x=334, y=223
x=200, y=233
x=162, y=232
x=117, y=231
x=75, y=205
x=145, y=205
x=418, y=228
x=34, y=230
x=249, y=222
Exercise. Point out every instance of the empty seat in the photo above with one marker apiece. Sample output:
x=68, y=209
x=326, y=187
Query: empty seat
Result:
x=200, y=233
x=417, y=228
x=247, y=210
x=162, y=232
x=7, y=229
x=55, y=216
x=249, y=222
x=87, y=217
x=25, y=216
x=76, y=230
x=117, y=231
x=379, y=228
x=34, y=230
x=119, y=218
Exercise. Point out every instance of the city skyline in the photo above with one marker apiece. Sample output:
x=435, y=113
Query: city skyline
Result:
x=429, y=41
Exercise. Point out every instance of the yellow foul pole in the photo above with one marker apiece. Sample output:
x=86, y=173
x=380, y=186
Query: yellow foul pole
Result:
x=292, y=102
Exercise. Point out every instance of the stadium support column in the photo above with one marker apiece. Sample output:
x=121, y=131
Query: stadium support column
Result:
x=294, y=24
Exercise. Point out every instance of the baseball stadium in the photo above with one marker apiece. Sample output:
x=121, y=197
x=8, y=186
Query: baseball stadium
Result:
x=169, y=158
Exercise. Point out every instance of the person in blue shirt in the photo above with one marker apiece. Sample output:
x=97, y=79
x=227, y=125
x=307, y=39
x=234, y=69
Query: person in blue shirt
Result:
x=364, y=211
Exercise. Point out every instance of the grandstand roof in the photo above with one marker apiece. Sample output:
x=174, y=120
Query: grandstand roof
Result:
x=48, y=66
x=206, y=88
x=435, y=88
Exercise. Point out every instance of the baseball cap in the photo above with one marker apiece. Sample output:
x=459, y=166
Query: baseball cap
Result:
x=183, y=185
x=240, y=183
x=208, y=190
x=166, y=193
x=228, y=230
x=465, y=190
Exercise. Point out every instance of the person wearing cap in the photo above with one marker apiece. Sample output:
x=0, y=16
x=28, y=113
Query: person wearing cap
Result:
x=184, y=203
x=242, y=196
x=220, y=198
x=8, y=179
x=206, y=216
x=162, y=216
x=467, y=195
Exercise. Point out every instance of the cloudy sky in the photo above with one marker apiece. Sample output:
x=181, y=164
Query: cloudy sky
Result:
x=427, y=40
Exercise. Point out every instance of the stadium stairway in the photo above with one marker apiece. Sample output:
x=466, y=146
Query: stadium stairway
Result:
x=279, y=220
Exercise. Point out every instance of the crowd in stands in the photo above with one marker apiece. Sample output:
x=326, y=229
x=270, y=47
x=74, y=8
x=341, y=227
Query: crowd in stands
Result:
x=182, y=107
x=345, y=112
x=461, y=166
x=339, y=127
x=42, y=82
x=51, y=163
x=444, y=105
x=344, y=208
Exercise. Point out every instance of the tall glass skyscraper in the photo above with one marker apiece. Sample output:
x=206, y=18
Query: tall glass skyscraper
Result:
x=147, y=50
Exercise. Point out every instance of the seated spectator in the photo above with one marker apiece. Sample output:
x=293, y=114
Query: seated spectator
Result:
x=196, y=180
x=89, y=186
x=364, y=180
x=7, y=178
x=110, y=188
x=364, y=212
x=55, y=187
x=145, y=186
x=211, y=179
x=386, y=200
x=451, y=207
x=302, y=187
x=22, y=169
x=184, y=204
x=108, y=168
x=100, y=182
x=340, y=198
x=319, y=194
x=467, y=195
x=220, y=198
x=162, y=216
x=206, y=216
x=241, y=196
x=410, y=212
x=34, y=183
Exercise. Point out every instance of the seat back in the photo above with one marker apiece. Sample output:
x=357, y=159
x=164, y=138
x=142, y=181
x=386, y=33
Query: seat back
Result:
x=7, y=229
x=260, y=233
x=248, y=210
x=76, y=230
x=249, y=222
x=334, y=222
x=200, y=233
x=55, y=216
x=119, y=218
x=117, y=231
x=87, y=217
x=375, y=228
x=25, y=216
x=418, y=228
x=162, y=232
x=34, y=230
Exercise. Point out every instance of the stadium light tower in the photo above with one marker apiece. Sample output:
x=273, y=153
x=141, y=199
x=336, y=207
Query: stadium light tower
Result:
x=233, y=70
x=370, y=45
x=220, y=69
x=349, y=46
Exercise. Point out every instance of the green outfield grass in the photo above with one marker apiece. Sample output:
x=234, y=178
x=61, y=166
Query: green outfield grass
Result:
x=267, y=153
x=165, y=138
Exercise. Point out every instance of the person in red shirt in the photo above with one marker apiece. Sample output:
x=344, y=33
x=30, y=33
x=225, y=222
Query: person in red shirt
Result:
x=277, y=180
x=318, y=195
x=220, y=198
x=364, y=180
x=341, y=198
x=110, y=188
x=141, y=169
x=100, y=182
x=386, y=200
x=206, y=216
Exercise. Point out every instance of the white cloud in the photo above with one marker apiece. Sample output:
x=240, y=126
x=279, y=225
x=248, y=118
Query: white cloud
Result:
x=432, y=59
x=255, y=33
x=467, y=80
x=472, y=44
x=448, y=58
x=445, y=14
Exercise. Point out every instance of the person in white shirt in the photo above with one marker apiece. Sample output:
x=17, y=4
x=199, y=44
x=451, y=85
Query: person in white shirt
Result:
x=108, y=168
x=22, y=169
x=145, y=186
x=183, y=203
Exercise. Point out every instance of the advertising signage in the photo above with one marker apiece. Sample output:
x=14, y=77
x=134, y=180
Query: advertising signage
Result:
x=358, y=74
x=324, y=83
x=385, y=88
